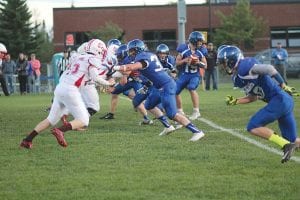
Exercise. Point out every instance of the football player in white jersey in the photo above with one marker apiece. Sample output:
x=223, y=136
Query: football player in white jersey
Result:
x=67, y=94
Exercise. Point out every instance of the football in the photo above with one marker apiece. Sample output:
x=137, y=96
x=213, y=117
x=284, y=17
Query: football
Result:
x=195, y=59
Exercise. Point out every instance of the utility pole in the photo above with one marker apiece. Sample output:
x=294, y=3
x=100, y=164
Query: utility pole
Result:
x=181, y=17
x=209, y=38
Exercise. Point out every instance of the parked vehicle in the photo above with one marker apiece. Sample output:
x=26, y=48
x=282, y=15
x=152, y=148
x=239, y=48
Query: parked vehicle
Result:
x=292, y=65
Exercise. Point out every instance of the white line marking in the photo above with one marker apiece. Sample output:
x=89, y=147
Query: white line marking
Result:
x=247, y=139
x=239, y=135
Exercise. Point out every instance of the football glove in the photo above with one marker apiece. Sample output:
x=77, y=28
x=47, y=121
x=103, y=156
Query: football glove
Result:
x=291, y=91
x=230, y=100
x=143, y=90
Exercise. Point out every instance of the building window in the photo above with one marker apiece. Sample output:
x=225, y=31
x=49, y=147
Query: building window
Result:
x=288, y=37
x=294, y=37
x=155, y=37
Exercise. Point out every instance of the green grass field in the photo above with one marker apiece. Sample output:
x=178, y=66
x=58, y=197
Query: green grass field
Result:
x=118, y=159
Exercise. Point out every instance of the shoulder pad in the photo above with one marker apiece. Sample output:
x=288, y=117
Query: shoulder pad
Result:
x=181, y=48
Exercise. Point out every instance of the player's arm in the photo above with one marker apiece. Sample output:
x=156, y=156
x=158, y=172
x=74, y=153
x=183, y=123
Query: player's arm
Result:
x=131, y=67
x=247, y=99
x=265, y=69
x=231, y=100
x=94, y=74
x=181, y=61
x=203, y=63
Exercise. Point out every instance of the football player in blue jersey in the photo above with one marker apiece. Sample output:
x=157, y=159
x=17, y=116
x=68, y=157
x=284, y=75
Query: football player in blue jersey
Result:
x=168, y=61
x=128, y=82
x=188, y=61
x=263, y=82
x=150, y=67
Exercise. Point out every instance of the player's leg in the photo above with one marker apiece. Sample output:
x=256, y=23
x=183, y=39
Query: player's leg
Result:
x=141, y=108
x=192, y=87
x=150, y=104
x=268, y=114
x=288, y=128
x=169, y=104
x=53, y=117
x=181, y=83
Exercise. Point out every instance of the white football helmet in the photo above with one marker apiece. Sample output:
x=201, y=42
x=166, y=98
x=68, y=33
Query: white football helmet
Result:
x=3, y=48
x=96, y=47
x=82, y=48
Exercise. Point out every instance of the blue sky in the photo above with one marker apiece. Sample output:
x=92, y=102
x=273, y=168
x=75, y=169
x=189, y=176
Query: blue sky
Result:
x=43, y=9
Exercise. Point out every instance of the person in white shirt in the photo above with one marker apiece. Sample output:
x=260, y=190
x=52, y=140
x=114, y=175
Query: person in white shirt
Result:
x=67, y=94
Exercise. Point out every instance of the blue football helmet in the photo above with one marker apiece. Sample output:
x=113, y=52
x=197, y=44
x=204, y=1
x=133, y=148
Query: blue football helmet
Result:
x=114, y=41
x=121, y=52
x=221, y=47
x=135, y=47
x=228, y=58
x=162, y=52
x=195, y=37
x=162, y=48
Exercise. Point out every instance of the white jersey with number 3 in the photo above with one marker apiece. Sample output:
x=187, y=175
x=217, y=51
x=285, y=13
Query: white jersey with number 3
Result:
x=79, y=71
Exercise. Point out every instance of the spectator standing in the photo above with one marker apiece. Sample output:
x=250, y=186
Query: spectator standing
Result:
x=35, y=65
x=3, y=51
x=9, y=69
x=30, y=79
x=211, y=71
x=22, y=67
x=280, y=56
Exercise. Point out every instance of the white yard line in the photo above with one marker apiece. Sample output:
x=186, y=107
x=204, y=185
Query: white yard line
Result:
x=239, y=135
x=247, y=139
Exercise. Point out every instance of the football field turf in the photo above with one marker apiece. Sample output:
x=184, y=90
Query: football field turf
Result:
x=119, y=159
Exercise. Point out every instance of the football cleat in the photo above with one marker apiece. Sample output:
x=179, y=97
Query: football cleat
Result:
x=146, y=122
x=26, y=144
x=195, y=115
x=59, y=135
x=197, y=136
x=108, y=116
x=288, y=150
x=167, y=131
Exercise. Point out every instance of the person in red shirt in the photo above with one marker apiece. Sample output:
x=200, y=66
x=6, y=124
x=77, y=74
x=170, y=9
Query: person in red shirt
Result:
x=36, y=65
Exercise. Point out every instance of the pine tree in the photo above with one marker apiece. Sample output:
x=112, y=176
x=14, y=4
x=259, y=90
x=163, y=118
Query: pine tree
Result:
x=16, y=30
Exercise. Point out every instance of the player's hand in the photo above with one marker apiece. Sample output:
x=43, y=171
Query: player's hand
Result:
x=112, y=82
x=143, y=90
x=291, y=90
x=230, y=100
x=116, y=67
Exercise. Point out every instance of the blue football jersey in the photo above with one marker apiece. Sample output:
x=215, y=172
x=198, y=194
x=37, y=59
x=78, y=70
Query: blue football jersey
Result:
x=262, y=86
x=154, y=70
x=169, y=63
x=127, y=60
x=185, y=52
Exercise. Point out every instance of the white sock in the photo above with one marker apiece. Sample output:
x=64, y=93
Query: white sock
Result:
x=196, y=110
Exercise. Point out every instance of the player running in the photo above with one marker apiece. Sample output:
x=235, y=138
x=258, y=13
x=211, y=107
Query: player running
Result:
x=67, y=94
x=150, y=67
x=257, y=81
